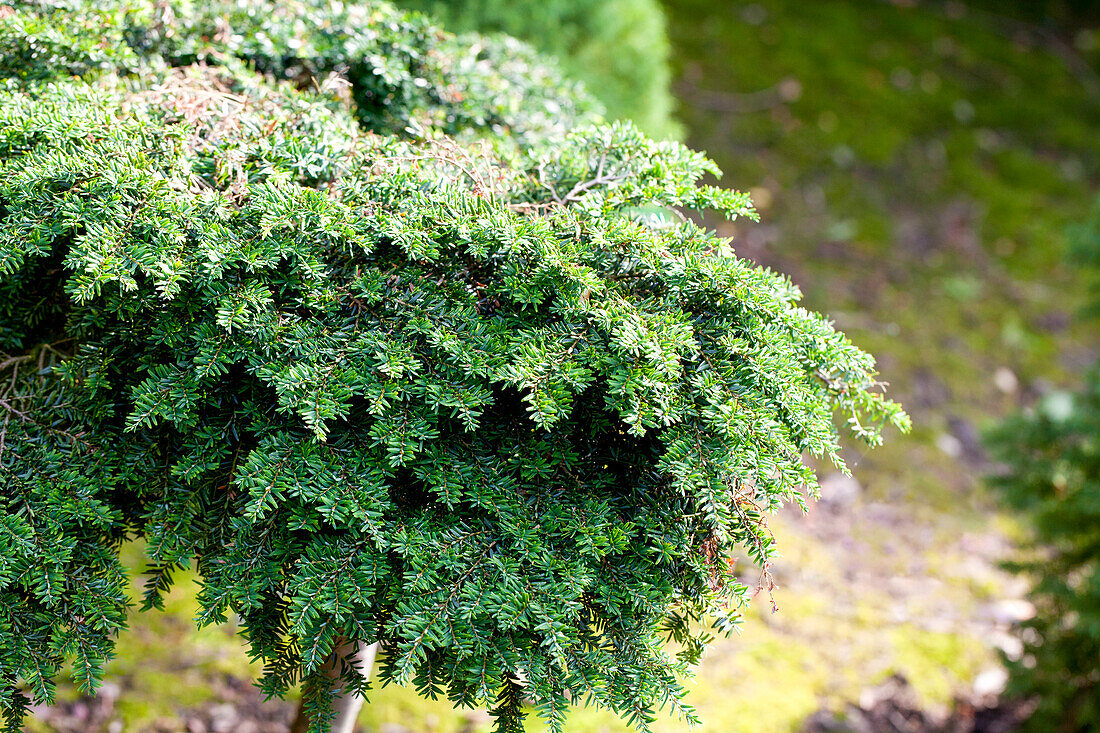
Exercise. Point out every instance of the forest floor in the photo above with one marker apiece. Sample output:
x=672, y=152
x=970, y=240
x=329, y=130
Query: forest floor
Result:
x=916, y=166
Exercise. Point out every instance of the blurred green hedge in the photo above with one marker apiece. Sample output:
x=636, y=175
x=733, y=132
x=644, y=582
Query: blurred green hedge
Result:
x=619, y=48
x=1051, y=457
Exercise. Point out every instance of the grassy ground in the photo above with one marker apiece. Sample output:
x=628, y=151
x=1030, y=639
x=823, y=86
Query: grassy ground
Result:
x=915, y=168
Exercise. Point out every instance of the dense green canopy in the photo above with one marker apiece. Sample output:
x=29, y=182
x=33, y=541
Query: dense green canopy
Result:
x=395, y=343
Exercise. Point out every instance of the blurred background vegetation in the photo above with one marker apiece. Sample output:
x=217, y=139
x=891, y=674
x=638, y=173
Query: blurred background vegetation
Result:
x=917, y=165
x=618, y=48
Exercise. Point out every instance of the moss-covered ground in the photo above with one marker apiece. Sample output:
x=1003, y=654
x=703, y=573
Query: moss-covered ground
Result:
x=916, y=165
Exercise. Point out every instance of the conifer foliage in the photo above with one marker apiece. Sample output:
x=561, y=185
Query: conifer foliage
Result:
x=393, y=341
x=1051, y=454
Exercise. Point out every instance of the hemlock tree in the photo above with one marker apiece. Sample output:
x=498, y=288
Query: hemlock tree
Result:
x=390, y=339
x=1052, y=456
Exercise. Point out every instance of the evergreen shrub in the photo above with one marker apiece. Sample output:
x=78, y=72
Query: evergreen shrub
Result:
x=390, y=339
x=1051, y=456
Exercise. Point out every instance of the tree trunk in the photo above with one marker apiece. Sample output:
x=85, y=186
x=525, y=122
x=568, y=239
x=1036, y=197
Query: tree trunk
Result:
x=346, y=705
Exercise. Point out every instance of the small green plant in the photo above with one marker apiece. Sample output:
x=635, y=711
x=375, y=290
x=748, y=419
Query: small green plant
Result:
x=389, y=339
x=1052, y=457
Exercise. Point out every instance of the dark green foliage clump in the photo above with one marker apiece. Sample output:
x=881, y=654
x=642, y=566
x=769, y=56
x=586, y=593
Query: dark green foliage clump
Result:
x=619, y=48
x=406, y=75
x=487, y=399
x=1052, y=456
x=1054, y=459
x=404, y=72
